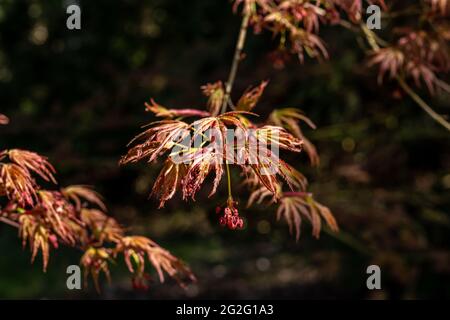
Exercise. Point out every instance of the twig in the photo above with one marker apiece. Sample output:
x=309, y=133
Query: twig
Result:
x=236, y=60
x=9, y=222
x=433, y=114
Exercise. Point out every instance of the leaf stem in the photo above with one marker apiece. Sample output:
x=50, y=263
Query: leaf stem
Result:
x=236, y=60
x=230, y=196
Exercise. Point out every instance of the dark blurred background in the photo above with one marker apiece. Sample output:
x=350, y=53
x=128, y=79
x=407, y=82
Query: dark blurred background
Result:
x=77, y=97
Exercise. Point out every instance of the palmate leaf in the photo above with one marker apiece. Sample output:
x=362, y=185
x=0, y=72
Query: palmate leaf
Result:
x=96, y=261
x=168, y=181
x=36, y=232
x=293, y=206
x=275, y=136
x=42, y=232
x=33, y=162
x=15, y=177
x=188, y=167
x=418, y=55
x=266, y=165
x=267, y=179
x=294, y=179
x=260, y=195
x=159, y=138
x=138, y=249
x=267, y=185
x=50, y=222
x=205, y=162
x=102, y=227
x=17, y=184
x=47, y=218
x=195, y=162
x=289, y=119
x=202, y=147
x=421, y=72
x=395, y=62
x=353, y=8
x=219, y=123
x=78, y=193
x=389, y=60
x=295, y=21
x=213, y=156
x=307, y=13
x=57, y=212
x=215, y=93
x=297, y=205
x=251, y=97
x=301, y=40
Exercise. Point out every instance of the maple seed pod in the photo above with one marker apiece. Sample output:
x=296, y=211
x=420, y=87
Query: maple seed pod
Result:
x=231, y=218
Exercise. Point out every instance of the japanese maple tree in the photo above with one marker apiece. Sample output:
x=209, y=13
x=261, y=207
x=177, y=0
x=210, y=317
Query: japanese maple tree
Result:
x=193, y=144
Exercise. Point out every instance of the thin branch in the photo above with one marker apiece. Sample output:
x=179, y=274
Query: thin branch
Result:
x=236, y=60
x=371, y=37
x=433, y=114
x=9, y=222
